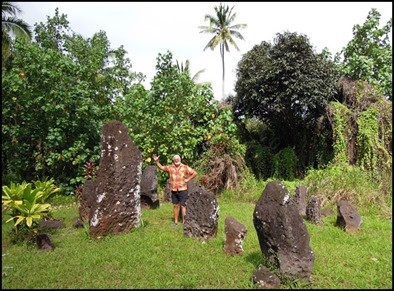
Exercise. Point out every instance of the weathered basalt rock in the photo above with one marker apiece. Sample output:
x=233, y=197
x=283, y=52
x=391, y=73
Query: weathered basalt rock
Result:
x=235, y=235
x=167, y=192
x=299, y=199
x=282, y=234
x=313, y=210
x=149, y=197
x=348, y=217
x=265, y=279
x=202, y=215
x=117, y=207
x=44, y=242
x=88, y=200
x=50, y=224
x=326, y=212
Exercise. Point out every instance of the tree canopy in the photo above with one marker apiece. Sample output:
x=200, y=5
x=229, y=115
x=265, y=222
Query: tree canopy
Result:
x=368, y=56
x=287, y=86
x=57, y=94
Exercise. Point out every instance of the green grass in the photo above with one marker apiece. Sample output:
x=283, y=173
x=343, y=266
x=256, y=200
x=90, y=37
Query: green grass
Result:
x=158, y=256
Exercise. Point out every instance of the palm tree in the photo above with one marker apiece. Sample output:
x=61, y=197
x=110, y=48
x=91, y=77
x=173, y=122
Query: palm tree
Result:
x=186, y=68
x=11, y=26
x=220, y=26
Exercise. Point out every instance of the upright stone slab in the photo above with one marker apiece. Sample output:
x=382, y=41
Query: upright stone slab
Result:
x=326, y=212
x=235, y=234
x=299, y=199
x=167, y=192
x=191, y=186
x=44, y=242
x=48, y=224
x=149, y=197
x=348, y=217
x=202, y=215
x=88, y=200
x=313, y=210
x=282, y=234
x=118, y=206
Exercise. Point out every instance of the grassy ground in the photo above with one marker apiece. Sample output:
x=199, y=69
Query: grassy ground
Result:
x=158, y=256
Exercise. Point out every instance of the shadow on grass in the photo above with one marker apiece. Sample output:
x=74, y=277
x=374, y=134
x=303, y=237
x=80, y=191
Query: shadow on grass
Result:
x=255, y=258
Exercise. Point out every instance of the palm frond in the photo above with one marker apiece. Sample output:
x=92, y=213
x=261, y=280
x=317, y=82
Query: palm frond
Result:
x=197, y=75
x=186, y=68
x=12, y=27
x=9, y=8
x=16, y=27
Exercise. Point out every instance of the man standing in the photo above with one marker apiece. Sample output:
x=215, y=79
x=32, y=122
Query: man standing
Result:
x=180, y=174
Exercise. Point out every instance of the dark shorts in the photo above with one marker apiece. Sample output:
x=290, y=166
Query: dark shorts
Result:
x=179, y=197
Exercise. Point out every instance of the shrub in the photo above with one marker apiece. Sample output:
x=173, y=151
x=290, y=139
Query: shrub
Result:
x=285, y=164
x=25, y=202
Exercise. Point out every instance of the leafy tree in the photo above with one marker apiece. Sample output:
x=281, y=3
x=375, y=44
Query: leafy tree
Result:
x=368, y=56
x=173, y=117
x=12, y=26
x=287, y=86
x=220, y=25
x=57, y=95
x=176, y=116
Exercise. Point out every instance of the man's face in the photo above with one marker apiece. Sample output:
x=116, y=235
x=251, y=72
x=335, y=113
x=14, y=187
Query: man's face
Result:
x=177, y=160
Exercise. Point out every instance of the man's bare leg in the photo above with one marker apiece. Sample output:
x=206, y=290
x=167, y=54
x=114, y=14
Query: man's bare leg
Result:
x=176, y=213
x=183, y=209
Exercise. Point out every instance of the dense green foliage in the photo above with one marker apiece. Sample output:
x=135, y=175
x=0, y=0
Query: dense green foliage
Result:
x=369, y=56
x=53, y=129
x=57, y=94
x=287, y=87
x=173, y=117
x=176, y=116
x=362, y=129
x=260, y=160
x=285, y=164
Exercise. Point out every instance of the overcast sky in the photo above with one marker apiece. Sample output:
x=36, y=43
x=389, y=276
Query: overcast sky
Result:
x=146, y=29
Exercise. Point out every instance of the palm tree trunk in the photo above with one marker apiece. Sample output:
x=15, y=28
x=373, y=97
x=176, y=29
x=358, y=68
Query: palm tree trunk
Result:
x=222, y=55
